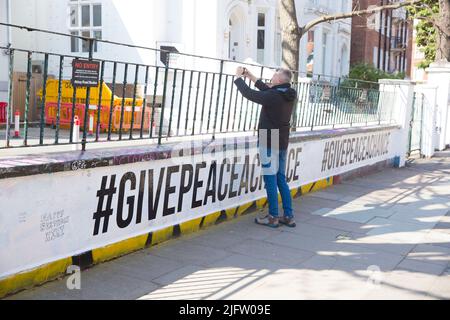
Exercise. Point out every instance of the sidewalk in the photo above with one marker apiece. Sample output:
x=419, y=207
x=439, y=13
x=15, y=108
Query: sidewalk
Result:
x=383, y=236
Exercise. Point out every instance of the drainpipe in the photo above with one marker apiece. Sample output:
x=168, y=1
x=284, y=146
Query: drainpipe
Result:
x=386, y=15
x=379, y=39
x=389, y=40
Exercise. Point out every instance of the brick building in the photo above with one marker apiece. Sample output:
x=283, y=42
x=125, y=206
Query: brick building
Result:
x=383, y=39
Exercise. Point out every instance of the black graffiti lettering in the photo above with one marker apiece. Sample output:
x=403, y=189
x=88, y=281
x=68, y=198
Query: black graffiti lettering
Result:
x=253, y=178
x=343, y=151
x=121, y=222
x=347, y=152
x=197, y=184
x=244, y=176
x=140, y=196
x=153, y=204
x=222, y=195
x=211, y=184
x=233, y=178
x=297, y=163
x=108, y=211
x=356, y=154
x=169, y=190
x=289, y=171
x=338, y=154
x=184, y=188
x=325, y=156
x=352, y=150
x=261, y=179
x=331, y=155
x=364, y=152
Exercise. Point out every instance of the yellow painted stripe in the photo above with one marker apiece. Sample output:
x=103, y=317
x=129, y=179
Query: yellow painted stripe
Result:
x=230, y=213
x=242, y=208
x=211, y=219
x=260, y=203
x=322, y=184
x=306, y=187
x=190, y=226
x=34, y=277
x=294, y=192
x=162, y=235
x=119, y=248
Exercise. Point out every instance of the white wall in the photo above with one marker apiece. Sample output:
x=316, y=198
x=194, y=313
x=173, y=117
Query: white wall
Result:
x=50, y=225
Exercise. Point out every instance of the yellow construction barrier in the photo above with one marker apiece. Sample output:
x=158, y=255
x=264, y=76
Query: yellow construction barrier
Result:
x=51, y=107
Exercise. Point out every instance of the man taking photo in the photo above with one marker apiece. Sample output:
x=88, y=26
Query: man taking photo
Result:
x=277, y=100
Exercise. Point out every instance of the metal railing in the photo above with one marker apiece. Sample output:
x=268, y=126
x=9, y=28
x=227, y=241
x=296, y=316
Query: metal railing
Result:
x=159, y=101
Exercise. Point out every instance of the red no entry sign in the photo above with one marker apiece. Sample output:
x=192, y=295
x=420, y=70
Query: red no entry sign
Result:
x=85, y=73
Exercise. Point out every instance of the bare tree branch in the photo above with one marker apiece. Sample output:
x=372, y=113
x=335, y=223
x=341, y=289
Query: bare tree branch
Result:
x=309, y=25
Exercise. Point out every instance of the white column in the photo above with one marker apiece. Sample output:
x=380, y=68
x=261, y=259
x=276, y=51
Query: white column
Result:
x=429, y=133
x=318, y=68
x=439, y=75
x=271, y=27
x=336, y=53
x=401, y=94
x=303, y=55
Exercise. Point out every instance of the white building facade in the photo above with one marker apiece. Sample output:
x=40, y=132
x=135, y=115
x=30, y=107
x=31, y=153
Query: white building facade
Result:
x=241, y=30
x=4, y=40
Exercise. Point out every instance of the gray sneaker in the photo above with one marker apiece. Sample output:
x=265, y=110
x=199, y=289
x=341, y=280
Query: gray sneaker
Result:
x=268, y=221
x=288, y=221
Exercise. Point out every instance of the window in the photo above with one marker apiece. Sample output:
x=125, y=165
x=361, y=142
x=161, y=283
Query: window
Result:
x=261, y=33
x=85, y=19
x=375, y=56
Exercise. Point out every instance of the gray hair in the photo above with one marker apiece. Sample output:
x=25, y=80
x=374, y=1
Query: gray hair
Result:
x=286, y=74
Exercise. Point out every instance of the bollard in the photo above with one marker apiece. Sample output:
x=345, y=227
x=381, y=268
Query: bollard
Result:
x=91, y=125
x=76, y=132
x=17, y=125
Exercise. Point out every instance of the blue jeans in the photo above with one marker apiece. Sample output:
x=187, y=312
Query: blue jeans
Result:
x=274, y=168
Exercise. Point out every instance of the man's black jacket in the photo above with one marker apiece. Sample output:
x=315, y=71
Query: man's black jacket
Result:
x=277, y=105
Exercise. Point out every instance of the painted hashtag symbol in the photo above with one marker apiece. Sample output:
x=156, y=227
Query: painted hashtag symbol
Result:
x=100, y=213
x=325, y=156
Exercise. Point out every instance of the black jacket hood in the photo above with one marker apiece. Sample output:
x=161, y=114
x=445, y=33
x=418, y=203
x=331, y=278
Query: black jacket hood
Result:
x=288, y=93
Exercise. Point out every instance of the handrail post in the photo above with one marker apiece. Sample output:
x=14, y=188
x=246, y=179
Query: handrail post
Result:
x=218, y=98
x=88, y=96
x=163, y=101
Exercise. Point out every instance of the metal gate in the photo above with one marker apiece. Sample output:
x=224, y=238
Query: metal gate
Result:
x=415, y=130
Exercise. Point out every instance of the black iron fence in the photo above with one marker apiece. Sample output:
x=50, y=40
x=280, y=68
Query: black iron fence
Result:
x=163, y=100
